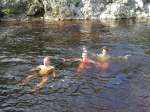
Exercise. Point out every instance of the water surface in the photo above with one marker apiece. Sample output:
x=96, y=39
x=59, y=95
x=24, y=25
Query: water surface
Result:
x=124, y=87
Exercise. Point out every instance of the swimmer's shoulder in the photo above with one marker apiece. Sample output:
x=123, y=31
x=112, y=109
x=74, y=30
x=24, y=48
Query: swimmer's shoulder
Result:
x=100, y=57
x=108, y=56
x=51, y=68
x=40, y=66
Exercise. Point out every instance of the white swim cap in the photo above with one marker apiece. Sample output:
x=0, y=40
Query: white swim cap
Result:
x=84, y=49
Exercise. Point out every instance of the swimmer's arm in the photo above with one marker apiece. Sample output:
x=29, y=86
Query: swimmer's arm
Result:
x=126, y=57
x=116, y=58
x=92, y=61
x=77, y=59
x=54, y=74
x=94, y=55
x=35, y=68
x=59, y=58
x=73, y=59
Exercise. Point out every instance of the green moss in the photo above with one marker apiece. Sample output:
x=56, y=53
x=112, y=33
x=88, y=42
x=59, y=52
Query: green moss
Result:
x=8, y=11
x=55, y=11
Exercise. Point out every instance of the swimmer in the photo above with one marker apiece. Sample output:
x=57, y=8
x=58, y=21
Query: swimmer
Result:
x=44, y=71
x=84, y=61
x=103, y=59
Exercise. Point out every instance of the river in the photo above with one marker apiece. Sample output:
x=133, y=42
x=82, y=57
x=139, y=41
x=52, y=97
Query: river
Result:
x=124, y=87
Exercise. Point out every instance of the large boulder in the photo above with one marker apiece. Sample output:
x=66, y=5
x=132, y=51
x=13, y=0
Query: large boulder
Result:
x=36, y=8
x=124, y=9
x=35, y=11
x=89, y=9
x=81, y=9
x=92, y=8
x=62, y=9
x=116, y=11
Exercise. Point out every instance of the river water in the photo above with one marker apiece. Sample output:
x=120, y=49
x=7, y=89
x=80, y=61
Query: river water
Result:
x=124, y=87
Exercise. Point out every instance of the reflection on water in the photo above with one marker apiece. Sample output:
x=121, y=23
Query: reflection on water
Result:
x=124, y=87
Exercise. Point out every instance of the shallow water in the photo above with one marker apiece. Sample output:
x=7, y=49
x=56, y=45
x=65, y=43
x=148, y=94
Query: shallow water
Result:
x=124, y=87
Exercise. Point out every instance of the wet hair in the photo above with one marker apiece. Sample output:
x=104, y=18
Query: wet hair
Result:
x=104, y=48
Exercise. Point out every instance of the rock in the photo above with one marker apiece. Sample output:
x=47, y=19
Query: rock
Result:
x=97, y=9
x=1, y=14
x=13, y=3
x=82, y=9
x=66, y=12
x=147, y=8
x=116, y=11
x=139, y=4
x=35, y=11
x=12, y=9
x=92, y=8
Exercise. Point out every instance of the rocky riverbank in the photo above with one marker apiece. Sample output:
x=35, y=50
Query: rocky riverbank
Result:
x=76, y=9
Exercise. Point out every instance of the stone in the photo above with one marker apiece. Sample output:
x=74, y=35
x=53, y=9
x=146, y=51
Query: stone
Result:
x=82, y=9
x=35, y=11
x=1, y=14
x=115, y=11
x=36, y=8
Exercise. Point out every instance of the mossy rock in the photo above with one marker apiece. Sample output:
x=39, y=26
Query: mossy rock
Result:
x=8, y=11
x=35, y=11
x=55, y=11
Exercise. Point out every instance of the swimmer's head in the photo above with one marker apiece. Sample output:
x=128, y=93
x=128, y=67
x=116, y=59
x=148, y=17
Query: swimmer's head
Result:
x=84, y=49
x=104, y=50
x=84, y=55
x=46, y=61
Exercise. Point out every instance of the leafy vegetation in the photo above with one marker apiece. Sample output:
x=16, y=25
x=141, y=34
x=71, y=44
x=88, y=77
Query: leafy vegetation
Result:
x=8, y=11
x=55, y=11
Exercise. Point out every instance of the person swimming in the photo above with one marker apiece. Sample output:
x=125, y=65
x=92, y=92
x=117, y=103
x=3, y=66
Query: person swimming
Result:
x=84, y=61
x=103, y=59
x=44, y=71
